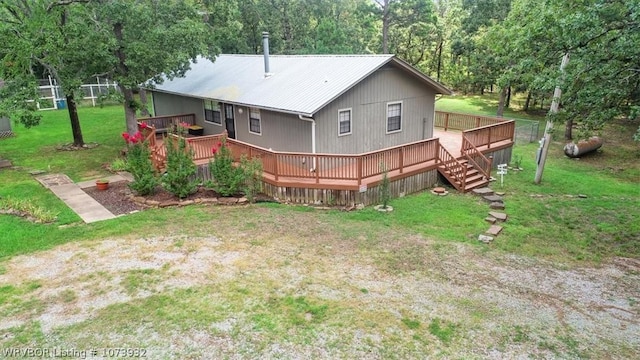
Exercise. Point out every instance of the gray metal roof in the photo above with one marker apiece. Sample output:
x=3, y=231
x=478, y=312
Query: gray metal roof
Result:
x=300, y=84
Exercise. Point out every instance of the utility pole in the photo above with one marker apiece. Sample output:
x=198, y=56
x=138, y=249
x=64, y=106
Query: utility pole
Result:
x=546, y=140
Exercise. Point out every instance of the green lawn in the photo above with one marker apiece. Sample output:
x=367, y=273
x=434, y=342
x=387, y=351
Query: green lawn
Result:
x=556, y=224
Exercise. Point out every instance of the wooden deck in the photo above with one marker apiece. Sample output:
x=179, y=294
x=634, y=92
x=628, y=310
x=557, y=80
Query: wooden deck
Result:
x=355, y=172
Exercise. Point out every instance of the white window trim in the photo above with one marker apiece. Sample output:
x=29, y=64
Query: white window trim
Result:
x=350, y=121
x=204, y=111
x=249, y=121
x=386, y=117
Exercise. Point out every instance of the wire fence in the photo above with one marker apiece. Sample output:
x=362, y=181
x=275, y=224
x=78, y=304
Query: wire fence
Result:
x=527, y=131
x=52, y=97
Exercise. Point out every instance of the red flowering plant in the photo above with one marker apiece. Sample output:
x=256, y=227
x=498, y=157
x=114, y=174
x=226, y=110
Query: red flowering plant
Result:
x=139, y=164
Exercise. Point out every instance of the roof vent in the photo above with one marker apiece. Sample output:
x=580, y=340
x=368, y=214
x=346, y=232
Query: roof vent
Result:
x=265, y=47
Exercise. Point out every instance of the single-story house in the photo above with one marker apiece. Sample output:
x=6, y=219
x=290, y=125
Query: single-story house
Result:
x=337, y=104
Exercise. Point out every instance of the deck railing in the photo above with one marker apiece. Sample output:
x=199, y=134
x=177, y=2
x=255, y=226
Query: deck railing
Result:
x=490, y=134
x=456, y=121
x=167, y=123
x=319, y=167
x=476, y=157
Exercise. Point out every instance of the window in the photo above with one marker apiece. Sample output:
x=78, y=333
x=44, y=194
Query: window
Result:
x=255, y=126
x=344, y=122
x=394, y=117
x=212, y=112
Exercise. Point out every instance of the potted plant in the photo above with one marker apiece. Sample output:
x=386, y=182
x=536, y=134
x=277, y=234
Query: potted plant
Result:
x=102, y=184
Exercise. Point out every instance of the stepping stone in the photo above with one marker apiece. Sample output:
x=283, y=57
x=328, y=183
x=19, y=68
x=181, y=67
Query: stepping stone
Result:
x=490, y=219
x=497, y=205
x=500, y=193
x=482, y=191
x=5, y=163
x=494, y=230
x=485, y=239
x=493, y=198
x=439, y=190
x=498, y=215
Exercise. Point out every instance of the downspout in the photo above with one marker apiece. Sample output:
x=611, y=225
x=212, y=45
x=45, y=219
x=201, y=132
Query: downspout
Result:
x=313, y=136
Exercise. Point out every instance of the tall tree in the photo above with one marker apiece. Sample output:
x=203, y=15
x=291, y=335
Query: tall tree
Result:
x=51, y=35
x=144, y=39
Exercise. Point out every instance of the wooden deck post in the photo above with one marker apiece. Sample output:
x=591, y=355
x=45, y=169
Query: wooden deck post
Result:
x=317, y=163
x=446, y=121
x=275, y=166
x=489, y=139
x=477, y=121
x=359, y=170
x=401, y=158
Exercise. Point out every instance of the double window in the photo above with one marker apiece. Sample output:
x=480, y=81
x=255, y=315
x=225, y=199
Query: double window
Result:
x=394, y=117
x=212, y=112
x=344, y=122
x=255, y=124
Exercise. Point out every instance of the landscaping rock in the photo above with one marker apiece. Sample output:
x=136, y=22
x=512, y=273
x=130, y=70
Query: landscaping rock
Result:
x=210, y=201
x=439, y=190
x=152, y=202
x=139, y=199
x=490, y=219
x=485, y=191
x=582, y=196
x=169, y=203
x=494, y=230
x=37, y=172
x=500, y=193
x=243, y=200
x=498, y=215
x=485, y=239
x=186, y=202
x=228, y=200
x=360, y=206
x=493, y=198
x=497, y=205
x=5, y=163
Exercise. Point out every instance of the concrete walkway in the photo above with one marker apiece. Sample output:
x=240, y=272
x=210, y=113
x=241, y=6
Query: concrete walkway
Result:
x=72, y=194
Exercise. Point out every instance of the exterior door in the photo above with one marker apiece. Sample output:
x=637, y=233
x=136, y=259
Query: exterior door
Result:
x=229, y=121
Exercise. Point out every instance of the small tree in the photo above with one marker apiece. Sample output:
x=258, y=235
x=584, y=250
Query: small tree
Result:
x=385, y=193
x=180, y=176
x=227, y=179
x=139, y=164
x=252, y=177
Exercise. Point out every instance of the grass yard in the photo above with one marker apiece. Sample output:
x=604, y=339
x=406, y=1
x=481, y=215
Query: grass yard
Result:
x=276, y=281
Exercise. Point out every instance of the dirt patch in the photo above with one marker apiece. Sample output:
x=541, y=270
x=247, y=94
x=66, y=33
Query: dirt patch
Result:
x=495, y=306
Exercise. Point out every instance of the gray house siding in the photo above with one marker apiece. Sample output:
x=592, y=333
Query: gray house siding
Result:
x=170, y=104
x=368, y=103
x=280, y=131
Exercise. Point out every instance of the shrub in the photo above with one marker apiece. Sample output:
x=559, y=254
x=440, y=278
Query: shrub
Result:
x=252, y=177
x=179, y=178
x=139, y=165
x=227, y=179
x=385, y=193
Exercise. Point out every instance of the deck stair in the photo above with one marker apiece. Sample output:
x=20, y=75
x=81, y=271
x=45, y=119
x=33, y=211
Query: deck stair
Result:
x=464, y=174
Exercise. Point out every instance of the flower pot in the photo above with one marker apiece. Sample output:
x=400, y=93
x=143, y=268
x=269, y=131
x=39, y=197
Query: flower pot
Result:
x=102, y=184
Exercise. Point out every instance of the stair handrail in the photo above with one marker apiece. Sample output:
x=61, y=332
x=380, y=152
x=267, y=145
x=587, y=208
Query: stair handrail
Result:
x=468, y=147
x=452, y=165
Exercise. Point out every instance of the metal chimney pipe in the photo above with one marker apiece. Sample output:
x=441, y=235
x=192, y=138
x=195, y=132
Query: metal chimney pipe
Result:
x=265, y=47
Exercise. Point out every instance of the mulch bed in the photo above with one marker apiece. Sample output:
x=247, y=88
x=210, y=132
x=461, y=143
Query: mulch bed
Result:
x=119, y=198
x=115, y=199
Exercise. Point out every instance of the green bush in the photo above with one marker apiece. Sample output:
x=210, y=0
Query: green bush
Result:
x=252, y=177
x=139, y=165
x=179, y=178
x=227, y=179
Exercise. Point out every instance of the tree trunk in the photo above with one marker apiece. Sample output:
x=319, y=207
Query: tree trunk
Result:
x=503, y=98
x=144, y=109
x=440, y=46
x=526, y=103
x=75, y=121
x=568, y=130
x=508, y=102
x=385, y=27
x=129, y=109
